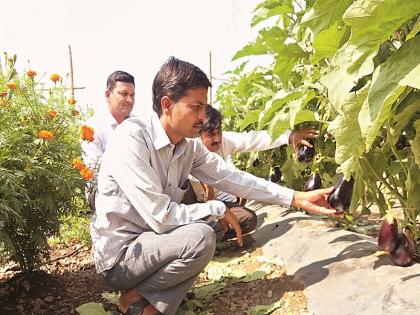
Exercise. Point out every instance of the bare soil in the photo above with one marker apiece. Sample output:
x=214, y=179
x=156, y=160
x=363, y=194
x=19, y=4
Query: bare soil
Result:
x=70, y=280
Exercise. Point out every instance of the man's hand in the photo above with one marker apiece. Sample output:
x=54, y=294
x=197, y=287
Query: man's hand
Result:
x=231, y=220
x=299, y=137
x=209, y=192
x=314, y=201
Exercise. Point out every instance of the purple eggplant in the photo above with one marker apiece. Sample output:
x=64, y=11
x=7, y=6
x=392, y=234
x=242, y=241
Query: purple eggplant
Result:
x=340, y=198
x=275, y=178
x=402, y=142
x=401, y=255
x=410, y=238
x=256, y=163
x=306, y=154
x=388, y=234
x=314, y=182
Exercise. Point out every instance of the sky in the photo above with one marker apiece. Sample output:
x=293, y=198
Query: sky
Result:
x=129, y=35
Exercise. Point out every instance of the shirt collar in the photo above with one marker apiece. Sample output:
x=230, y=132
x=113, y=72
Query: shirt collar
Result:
x=159, y=136
x=109, y=119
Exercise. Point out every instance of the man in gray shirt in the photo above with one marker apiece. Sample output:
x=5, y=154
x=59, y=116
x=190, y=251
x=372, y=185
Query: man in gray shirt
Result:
x=147, y=243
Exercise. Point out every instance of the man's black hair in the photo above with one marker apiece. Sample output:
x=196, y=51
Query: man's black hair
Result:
x=213, y=120
x=118, y=76
x=174, y=79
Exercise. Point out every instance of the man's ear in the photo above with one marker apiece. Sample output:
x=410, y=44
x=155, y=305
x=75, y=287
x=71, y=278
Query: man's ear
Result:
x=166, y=104
x=107, y=94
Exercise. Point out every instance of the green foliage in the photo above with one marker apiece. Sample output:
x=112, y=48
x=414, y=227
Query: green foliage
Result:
x=73, y=228
x=39, y=139
x=351, y=69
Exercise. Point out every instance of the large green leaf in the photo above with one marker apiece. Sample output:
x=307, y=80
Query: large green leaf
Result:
x=279, y=124
x=277, y=102
x=325, y=13
x=250, y=118
x=388, y=82
x=328, y=41
x=271, y=8
x=372, y=23
x=285, y=61
x=410, y=107
x=346, y=131
x=415, y=144
x=255, y=48
x=92, y=308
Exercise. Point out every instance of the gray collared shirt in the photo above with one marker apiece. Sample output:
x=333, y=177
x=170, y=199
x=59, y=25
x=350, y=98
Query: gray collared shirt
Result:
x=141, y=183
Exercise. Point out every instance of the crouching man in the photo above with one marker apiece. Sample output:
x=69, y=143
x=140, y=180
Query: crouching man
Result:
x=146, y=242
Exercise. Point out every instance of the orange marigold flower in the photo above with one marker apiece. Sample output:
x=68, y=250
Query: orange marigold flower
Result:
x=77, y=163
x=86, y=173
x=46, y=135
x=75, y=112
x=55, y=77
x=11, y=86
x=3, y=94
x=31, y=73
x=87, y=133
x=71, y=101
x=52, y=114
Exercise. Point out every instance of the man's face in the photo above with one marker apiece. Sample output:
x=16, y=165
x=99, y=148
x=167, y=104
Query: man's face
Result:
x=186, y=116
x=212, y=140
x=121, y=99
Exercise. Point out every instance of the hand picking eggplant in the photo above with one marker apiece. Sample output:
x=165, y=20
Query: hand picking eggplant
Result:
x=306, y=154
x=401, y=255
x=340, y=198
x=388, y=234
x=314, y=182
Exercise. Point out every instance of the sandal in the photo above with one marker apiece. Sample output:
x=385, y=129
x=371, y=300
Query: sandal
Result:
x=136, y=308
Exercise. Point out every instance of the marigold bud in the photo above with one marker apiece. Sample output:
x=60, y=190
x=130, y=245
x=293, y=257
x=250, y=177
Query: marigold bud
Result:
x=46, y=135
x=3, y=94
x=71, y=101
x=75, y=112
x=55, y=77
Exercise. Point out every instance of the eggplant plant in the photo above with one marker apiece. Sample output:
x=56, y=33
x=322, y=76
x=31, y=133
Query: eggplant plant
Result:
x=364, y=105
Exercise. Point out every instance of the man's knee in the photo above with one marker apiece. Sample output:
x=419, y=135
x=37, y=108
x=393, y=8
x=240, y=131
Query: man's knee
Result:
x=201, y=239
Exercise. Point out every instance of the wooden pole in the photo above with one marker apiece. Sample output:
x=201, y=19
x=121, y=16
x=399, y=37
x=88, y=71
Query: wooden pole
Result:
x=71, y=73
x=211, y=80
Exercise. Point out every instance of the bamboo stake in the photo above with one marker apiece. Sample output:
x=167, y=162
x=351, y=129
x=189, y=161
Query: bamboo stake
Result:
x=71, y=73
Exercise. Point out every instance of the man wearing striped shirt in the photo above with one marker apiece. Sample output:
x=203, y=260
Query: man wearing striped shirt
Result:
x=146, y=242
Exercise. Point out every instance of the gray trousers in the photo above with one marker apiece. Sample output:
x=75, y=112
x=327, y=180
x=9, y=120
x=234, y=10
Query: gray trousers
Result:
x=163, y=267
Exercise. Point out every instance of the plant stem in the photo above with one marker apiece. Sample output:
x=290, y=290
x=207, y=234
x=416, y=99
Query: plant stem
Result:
x=383, y=181
x=393, y=150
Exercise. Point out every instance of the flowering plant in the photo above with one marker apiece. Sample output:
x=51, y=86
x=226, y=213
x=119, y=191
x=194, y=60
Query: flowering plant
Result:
x=39, y=181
